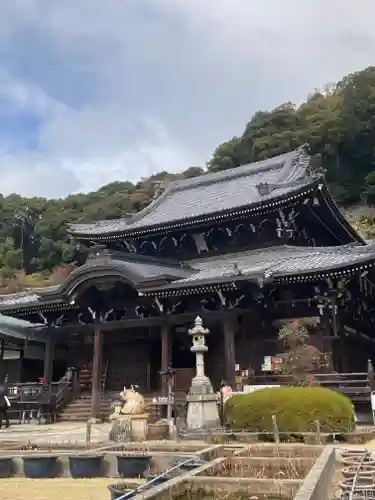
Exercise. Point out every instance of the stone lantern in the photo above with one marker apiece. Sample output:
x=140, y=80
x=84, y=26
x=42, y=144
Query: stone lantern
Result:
x=202, y=402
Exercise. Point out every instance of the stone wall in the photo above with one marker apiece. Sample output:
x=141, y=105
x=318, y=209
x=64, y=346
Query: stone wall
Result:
x=317, y=484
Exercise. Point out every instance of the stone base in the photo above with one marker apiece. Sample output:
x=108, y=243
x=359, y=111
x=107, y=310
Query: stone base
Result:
x=95, y=420
x=117, y=407
x=202, y=413
x=201, y=385
x=129, y=428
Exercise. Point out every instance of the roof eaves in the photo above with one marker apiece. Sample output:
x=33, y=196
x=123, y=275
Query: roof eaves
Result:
x=267, y=276
x=271, y=203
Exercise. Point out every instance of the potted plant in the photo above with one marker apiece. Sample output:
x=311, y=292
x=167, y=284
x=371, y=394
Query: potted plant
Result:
x=6, y=466
x=188, y=466
x=133, y=466
x=120, y=489
x=39, y=466
x=158, y=431
x=86, y=465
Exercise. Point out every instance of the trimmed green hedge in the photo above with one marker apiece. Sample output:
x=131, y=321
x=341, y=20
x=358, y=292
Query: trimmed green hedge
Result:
x=296, y=410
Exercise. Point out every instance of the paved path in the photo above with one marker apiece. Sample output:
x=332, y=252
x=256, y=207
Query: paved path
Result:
x=60, y=432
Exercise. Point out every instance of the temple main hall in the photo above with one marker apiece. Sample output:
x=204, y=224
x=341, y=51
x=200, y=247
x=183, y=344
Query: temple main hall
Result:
x=245, y=249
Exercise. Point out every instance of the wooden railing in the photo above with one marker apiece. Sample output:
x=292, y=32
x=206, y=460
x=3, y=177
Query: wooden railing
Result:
x=104, y=374
x=354, y=385
x=32, y=400
x=44, y=400
x=85, y=377
x=63, y=396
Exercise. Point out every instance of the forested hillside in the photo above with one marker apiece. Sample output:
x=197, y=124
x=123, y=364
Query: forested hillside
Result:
x=338, y=124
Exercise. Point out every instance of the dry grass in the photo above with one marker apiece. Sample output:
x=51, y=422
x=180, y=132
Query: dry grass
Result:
x=47, y=489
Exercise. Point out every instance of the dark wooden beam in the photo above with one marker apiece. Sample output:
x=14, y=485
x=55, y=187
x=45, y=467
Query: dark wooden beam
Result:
x=165, y=354
x=178, y=319
x=96, y=374
x=49, y=357
x=230, y=326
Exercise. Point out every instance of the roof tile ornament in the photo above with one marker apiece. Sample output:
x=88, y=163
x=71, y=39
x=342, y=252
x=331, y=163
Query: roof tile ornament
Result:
x=264, y=189
x=159, y=189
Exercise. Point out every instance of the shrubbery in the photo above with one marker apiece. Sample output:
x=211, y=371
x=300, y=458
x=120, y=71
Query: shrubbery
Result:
x=296, y=410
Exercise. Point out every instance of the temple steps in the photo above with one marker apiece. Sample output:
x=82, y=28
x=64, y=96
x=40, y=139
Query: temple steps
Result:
x=79, y=410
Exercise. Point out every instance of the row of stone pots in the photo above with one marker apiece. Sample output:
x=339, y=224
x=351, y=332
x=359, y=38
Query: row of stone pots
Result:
x=80, y=466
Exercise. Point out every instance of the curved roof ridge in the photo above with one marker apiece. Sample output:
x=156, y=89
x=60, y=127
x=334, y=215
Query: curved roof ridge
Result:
x=212, y=178
x=192, y=199
x=232, y=173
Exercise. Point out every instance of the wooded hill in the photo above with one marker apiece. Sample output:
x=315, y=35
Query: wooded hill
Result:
x=338, y=124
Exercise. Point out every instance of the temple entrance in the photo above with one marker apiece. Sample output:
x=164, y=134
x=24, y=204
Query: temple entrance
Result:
x=183, y=360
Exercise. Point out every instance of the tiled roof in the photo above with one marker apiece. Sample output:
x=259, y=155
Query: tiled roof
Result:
x=20, y=329
x=190, y=199
x=138, y=268
x=146, y=271
x=275, y=262
x=257, y=265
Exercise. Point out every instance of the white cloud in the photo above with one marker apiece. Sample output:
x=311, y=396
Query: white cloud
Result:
x=125, y=88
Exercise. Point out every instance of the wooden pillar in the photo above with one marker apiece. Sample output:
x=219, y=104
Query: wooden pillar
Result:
x=343, y=348
x=96, y=374
x=229, y=329
x=165, y=355
x=49, y=356
x=2, y=367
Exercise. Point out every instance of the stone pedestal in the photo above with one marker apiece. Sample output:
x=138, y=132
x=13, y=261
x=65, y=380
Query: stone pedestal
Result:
x=203, y=411
x=139, y=428
x=95, y=420
x=129, y=428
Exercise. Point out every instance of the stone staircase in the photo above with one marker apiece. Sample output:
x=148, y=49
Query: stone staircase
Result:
x=79, y=410
x=85, y=377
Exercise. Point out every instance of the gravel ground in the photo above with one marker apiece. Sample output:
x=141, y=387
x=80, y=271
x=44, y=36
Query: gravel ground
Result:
x=47, y=489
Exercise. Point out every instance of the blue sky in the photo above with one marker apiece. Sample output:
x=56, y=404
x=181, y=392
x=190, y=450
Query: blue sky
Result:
x=94, y=91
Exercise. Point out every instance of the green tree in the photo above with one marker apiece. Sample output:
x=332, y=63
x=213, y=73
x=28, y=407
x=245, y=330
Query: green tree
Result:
x=338, y=123
x=10, y=259
x=369, y=192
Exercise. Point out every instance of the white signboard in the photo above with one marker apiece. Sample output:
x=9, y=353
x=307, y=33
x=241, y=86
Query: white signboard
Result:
x=373, y=405
x=267, y=365
x=9, y=354
x=373, y=401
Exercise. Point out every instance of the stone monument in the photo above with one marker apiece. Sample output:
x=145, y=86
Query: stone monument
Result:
x=203, y=412
x=129, y=417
